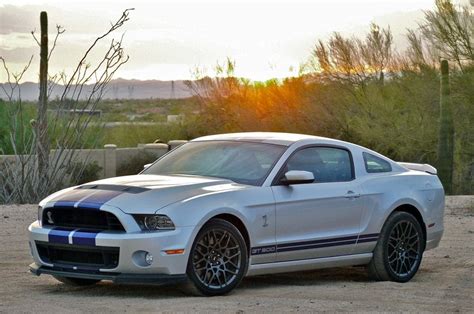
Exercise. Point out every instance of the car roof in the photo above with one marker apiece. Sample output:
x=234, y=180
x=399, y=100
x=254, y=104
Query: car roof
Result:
x=265, y=137
x=288, y=139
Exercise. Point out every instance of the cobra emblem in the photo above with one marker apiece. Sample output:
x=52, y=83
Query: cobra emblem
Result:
x=50, y=218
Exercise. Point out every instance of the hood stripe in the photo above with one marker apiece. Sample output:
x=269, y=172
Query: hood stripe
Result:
x=70, y=198
x=96, y=200
x=88, y=199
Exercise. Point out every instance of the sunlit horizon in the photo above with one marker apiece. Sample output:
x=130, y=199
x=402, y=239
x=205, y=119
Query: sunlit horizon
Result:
x=168, y=40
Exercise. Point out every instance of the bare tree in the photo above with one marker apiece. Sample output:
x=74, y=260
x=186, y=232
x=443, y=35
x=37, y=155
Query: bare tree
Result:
x=419, y=54
x=450, y=31
x=352, y=60
x=21, y=178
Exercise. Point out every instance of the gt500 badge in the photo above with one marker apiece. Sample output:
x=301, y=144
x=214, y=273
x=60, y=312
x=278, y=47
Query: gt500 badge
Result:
x=263, y=250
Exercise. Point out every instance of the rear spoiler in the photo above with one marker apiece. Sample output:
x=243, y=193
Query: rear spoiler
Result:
x=420, y=167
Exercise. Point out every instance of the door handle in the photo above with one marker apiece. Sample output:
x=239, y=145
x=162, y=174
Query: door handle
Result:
x=352, y=194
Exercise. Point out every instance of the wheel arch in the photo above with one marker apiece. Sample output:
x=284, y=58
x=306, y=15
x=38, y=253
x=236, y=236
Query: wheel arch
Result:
x=236, y=222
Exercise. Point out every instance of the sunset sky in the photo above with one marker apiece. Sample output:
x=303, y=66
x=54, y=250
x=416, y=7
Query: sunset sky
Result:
x=167, y=39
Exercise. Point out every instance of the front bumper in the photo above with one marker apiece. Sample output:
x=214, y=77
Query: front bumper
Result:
x=130, y=245
x=155, y=279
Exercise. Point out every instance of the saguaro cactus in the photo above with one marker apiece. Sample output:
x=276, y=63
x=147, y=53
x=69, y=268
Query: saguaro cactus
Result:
x=446, y=132
x=42, y=139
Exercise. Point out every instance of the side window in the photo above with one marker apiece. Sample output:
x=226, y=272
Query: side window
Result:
x=374, y=164
x=327, y=164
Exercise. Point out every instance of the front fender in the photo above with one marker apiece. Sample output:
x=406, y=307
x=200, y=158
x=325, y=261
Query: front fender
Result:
x=196, y=215
x=254, y=207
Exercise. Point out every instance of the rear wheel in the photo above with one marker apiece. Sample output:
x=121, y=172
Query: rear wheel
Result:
x=399, y=249
x=76, y=281
x=218, y=259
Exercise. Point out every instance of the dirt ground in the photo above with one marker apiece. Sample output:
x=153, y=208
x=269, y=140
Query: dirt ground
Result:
x=444, y=283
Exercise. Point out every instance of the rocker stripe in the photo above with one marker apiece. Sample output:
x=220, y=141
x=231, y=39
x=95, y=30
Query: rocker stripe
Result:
x=314, y=244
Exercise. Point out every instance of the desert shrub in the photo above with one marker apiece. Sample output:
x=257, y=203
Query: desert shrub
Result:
x=16, y=128
x=135, y=164
x=80, y=173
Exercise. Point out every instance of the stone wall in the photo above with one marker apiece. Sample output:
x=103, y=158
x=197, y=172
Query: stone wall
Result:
x=110, y=158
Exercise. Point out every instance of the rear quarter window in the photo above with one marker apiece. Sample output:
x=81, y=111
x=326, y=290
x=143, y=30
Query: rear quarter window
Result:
x=374, y=164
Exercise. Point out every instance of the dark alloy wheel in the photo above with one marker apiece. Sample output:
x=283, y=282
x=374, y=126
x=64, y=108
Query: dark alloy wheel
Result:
x=399, y=250
x=218, y=259
x=404, y=248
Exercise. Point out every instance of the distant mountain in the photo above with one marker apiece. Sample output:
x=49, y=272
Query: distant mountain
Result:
x=117, y=89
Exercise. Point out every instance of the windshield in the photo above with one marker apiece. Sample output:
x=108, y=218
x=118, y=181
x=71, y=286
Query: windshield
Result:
x=242, y=162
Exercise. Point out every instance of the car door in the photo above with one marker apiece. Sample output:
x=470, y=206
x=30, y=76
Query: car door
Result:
x=322, y=218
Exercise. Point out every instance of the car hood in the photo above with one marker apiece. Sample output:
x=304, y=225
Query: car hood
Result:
x=140, y=194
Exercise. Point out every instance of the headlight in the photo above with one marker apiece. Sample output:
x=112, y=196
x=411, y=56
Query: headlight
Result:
x=154, y=222
x=40, y=213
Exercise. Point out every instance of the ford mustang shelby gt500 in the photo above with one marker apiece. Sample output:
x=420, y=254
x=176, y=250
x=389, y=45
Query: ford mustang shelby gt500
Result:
x=223, y=207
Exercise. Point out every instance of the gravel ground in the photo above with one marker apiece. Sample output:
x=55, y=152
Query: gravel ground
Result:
x=444, y=283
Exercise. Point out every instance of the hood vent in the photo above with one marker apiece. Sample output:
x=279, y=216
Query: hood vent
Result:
x=114, y=187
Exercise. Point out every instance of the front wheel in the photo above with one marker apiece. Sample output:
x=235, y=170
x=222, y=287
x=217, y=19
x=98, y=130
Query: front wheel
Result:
x=399, y=249
x=218, y=259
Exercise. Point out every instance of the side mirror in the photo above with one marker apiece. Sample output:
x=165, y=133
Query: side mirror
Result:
x=297, y=177
x=146, y=166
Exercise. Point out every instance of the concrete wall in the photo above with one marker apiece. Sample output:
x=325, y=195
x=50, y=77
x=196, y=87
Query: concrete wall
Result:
x=110, y=158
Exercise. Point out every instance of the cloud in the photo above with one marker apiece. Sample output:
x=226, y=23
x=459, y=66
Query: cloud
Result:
x=24, y=19
x=17, y=55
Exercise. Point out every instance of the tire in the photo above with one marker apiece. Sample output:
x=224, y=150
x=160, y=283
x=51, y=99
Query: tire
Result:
x=76, y=281
x=218, y=259
x=399, y=250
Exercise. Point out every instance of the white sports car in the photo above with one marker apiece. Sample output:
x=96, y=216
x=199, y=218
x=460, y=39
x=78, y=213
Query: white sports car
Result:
x=227, y=206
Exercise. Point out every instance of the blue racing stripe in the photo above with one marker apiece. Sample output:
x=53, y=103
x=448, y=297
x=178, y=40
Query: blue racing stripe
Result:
x=64, y=204
x=96, y=200
x=370, y=235
x=70, y=198
x=87, y=205
x=311, y=242
x=85, y=237
x=59, y=235
x=315, y=246
x=367, y=240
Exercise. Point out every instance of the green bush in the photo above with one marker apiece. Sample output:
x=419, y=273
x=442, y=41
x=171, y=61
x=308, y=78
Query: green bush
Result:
x=80, y=173
x=135, y=165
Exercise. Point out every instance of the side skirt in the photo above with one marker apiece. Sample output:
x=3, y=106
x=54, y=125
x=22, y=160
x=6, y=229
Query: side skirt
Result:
x=308, y=264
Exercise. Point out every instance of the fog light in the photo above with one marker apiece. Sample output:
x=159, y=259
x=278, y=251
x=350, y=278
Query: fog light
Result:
x=149, y=258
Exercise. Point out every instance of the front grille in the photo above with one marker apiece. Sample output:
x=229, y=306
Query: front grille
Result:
x=83, y=218
x=77, y=256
